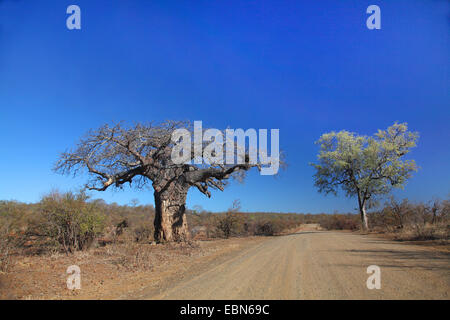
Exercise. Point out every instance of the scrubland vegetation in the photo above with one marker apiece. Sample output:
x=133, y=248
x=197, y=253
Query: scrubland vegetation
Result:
x=405, y=220
x=70, y=222
x=110, y=241
x=400, y=220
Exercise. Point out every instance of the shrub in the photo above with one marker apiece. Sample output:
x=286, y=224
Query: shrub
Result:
x=5, y=247
x=11, y=234
x=340, y=222
x=143, y=233
x=423, y=232
x=69, y=221
x=265, y=229
x=121, y=226
x=413, y=221
x=227, y=224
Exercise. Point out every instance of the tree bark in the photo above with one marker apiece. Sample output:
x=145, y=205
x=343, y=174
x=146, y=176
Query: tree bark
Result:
x=362, y=211
x=170, y=219
x=365, y=224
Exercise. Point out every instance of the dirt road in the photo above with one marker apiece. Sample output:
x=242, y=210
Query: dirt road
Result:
x=317, y=265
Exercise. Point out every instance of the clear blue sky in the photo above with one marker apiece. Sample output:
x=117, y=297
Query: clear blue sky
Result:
x=305, y=67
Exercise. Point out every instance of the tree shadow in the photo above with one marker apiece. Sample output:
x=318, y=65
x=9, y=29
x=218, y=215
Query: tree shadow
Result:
x=408, y=259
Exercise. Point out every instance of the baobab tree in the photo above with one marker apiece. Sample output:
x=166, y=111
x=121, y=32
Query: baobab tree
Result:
x=365, y=167
x=116, y=155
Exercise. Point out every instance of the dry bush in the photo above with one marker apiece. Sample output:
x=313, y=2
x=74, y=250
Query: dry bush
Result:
x=70, y=222
x=340, y=222
x=228, y=224
x=396, y=214
x=265, y=229
x=11, y=243
x=239, y=224
x=273, y=227
x=427, y=231
x=413, y=221
x=424, y=231
x=6, y=248
x=265, y=224
x=144, y=233
x=115, y=233
x=202, y=223
x=11, y=231
x=66, y=221
x=130, y=256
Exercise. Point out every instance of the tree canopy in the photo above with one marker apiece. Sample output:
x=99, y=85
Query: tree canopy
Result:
x=116, y=155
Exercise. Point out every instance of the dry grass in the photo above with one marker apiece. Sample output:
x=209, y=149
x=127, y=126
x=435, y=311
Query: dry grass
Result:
x=422, y=232
x=106, y=272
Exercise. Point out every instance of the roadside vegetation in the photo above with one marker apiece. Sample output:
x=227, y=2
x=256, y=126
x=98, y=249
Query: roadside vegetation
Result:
x=70, y=222
x=420, y=221
x=64, y=223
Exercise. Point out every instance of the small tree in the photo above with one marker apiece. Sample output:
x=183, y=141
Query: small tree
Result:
x=363, y=166
x=396, y=212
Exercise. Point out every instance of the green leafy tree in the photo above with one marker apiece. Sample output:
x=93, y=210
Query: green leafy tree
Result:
x=365, y=167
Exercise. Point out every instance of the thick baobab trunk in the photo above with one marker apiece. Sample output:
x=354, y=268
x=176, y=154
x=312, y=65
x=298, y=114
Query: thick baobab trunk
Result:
x=170, y=219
